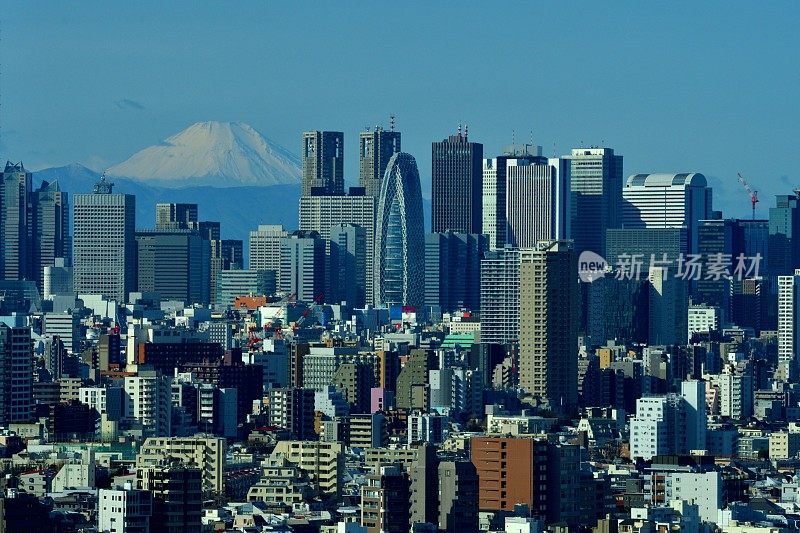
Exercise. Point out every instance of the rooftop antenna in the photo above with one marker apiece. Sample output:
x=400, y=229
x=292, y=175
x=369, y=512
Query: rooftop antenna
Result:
x=391, y=122
x=513, y=137
x=459, y=130
x=466, y=131
x=531, y=137
x=554, y=148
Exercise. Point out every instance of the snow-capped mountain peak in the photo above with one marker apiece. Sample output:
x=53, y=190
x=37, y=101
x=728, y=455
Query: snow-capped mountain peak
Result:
x=217, y=154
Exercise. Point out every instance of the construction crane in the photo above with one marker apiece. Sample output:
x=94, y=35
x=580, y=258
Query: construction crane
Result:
x=315, y=308
x=753, y=194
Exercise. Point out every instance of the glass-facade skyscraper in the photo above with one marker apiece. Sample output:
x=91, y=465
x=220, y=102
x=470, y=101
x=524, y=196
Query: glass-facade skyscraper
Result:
x=400, y=235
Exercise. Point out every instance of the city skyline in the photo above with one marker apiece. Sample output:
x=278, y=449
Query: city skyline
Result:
x=113, y=106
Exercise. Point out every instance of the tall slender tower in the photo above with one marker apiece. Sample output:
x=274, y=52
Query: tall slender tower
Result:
x=596, y=187
x=104, y=242
x=15, y=221
x=788, y=325
x=549, y=303
x=456, y=169
x=376, y=148
x=399, y=267
x=49, y=229
x=323, y=163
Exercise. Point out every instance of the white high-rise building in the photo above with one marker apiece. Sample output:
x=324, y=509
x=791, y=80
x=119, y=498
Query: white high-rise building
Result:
x=104, y=242
x=265, y=249
x=702, y=319
x=667, y=201
x=57, y=279
x=494, y=199
x=148, y=397
x=788, y=330
x=125, y=510
x=673, y=424
x=537, y=201
x=500, y=296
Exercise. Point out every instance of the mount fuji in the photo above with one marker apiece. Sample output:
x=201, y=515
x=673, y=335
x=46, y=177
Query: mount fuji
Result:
x=213, y=154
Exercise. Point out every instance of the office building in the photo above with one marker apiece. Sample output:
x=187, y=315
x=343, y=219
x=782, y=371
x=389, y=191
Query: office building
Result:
x=702, y=319
x=57, y=280
x=149, y=402
x=50, y=221
x=265, y=248
x=124, y=510
x=673, y=424
x=493, y=211
x=456, y=171
x=453, y=270
x=347, y=265
x=399, y=270
x=16, y=362
x=66, y=326
x=548, y=323
x=323, y=213
x=176, y=216
x=175, y=264
x=292, y=409
x=499, y=302
x=789, y=325
x=618, y=310
x=323, y=163
x=385, y=501
x=596, y=185
x=637, y=249
x=784, y=232
x=376, y=148
x=232, y=254
x=538, y=202
x=656, y=201
x=104, y=242
x=177, y=491
x=668, y=304
x=303, y=266
x=16, y=247
x=233, y=283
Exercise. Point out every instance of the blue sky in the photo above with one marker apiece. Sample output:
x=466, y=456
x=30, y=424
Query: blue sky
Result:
x=674, y=86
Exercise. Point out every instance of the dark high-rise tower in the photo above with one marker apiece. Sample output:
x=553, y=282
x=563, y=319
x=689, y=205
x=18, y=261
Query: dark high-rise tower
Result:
x=49, y=229
x=375, y=149
x=456, y=168
x=15, y=221
x=323, y=163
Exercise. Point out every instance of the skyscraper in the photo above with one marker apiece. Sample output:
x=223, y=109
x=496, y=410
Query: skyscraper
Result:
x=493, y=210
x=784, y=235
x=16, y=360
x=323, y=163
x=500, y=296
x=15, y=220
x=453, y=270
x=667, y=201
x=596, y=185
x=399, y=268
x=322, y=213
x=347, y=265
x=265, y=248
x=303, y=265
x=549, y=303
x=174, y=264
x=376, y=148
x=789, y=324
x=456, y=171
x=176, y=216
x=537, y=202
x=49, y=231
x=104, y=242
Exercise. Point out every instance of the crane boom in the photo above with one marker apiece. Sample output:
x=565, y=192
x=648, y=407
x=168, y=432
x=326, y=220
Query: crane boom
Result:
x=753, y=194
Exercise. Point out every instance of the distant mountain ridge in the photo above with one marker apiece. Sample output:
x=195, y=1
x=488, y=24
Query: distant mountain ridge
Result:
x=214, y=154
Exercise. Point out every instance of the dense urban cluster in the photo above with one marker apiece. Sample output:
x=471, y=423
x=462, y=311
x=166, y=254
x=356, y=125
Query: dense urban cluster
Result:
x=567, y=349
